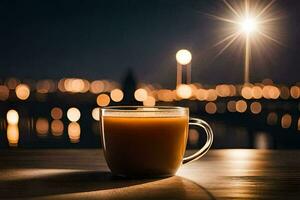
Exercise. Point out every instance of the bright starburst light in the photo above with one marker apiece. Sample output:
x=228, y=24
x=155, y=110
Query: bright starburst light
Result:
x=249, y=22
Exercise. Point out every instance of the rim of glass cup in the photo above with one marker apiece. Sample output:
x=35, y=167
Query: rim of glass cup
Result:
x=144, y=109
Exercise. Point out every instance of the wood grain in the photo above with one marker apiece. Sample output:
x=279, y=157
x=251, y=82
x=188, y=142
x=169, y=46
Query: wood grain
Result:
x=83, y=174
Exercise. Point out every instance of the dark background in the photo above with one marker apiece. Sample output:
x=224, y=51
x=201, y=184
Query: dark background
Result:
x=101, y=39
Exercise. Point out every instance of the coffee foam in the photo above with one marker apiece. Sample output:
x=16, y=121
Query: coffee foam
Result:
x=145, y=112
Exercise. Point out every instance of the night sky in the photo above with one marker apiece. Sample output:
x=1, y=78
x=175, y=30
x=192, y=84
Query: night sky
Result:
x=102, y=39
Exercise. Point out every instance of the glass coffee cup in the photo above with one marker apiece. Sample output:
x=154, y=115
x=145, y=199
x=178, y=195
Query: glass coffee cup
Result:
x=148, y=141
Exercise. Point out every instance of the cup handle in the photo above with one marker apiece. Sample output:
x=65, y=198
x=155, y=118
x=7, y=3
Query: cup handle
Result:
x=209, y=140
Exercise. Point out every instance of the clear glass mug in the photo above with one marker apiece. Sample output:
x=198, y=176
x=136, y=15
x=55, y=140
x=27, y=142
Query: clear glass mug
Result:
x=148, y=141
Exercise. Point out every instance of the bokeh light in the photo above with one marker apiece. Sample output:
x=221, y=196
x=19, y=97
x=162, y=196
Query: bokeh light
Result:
x=272, y=118
x=141, y=94
x=211, y=108
x=96, y=114
x=4, y=93
x=74, y=132
x=231, y=106
x=193, y=137
x=284, y=92
x=241, y=106
x=184, y=91
x=103, y=100
x=97, y=87
x=246, y=92
x=295, y=92
x=286, y=121
x=57, y=127
x=183, y=57
x=255, y=107
x=22, y=91
x=257, y=92
x=73, y=114
x=150, y=101
x=12, y=83
x=56, y=113
x=12, y=134
x=116, y=95
x=42, y=126
x=12, y=117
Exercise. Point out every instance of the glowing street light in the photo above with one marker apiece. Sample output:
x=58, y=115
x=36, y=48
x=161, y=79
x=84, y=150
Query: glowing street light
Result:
x=251, y=21
x=183, y=58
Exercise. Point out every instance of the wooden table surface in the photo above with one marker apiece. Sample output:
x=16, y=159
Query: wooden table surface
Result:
x=83, y=174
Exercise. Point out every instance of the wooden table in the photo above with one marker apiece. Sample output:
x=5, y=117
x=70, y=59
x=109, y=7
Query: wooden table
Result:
x=83, y=174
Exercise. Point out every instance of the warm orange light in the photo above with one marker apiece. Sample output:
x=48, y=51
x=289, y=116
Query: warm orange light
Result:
x=284, y=92
x=141, y=94
x=211, y=95
x=211, y=108
x=223, y=90
x=56, y=113
x=184, y=91
x=231, y=106
x=13, y=134
x=201, y=94
x=295, y=92
x=12, y=117
x=22, y=91
x=57, y=127
x=12, y=83
x=97, y=87
x=255, y=107
x=286, y=121
x=246, y=92
x=74, y=132
x=103, y=100
x=257, y=92
x=4, y=93
x=96, y=114
x=45, y=86
x=193, y=136
x=150, y=101
x=42, y=126
x=272, y=118
x=241, y=106
x=116, y=95
x=73, y=114
x=298, y=124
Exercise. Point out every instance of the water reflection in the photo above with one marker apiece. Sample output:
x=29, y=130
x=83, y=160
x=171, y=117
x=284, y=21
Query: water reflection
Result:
x=74, y=132
x=42, y=126
x=57, y=127
x=13, y=135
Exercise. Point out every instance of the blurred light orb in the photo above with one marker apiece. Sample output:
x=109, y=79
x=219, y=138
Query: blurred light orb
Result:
x=183, y=57
x=231, y=106
x=246, y=92
x=12, y=134
x=42, y=126
x=4, y=92
x=97, y=87
x=286, y=121
x=96, y=114
x=272, y=118
x=22, y=91
x=73, y=114
x=295, y=92
x=116, y=95
x=141, y=94
x=12, y=83
x=255, y=107
x=211, y=95
x=12, y=117
x=257, y=92
x=193, y=137
x=150, y=101
x=284, y=92
x=211, y=108
x=57, y=127
x=184, y=91
x=201, y=94
x=103, y=100
x=241, y=106
x=56, y=113
x=74, y=132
